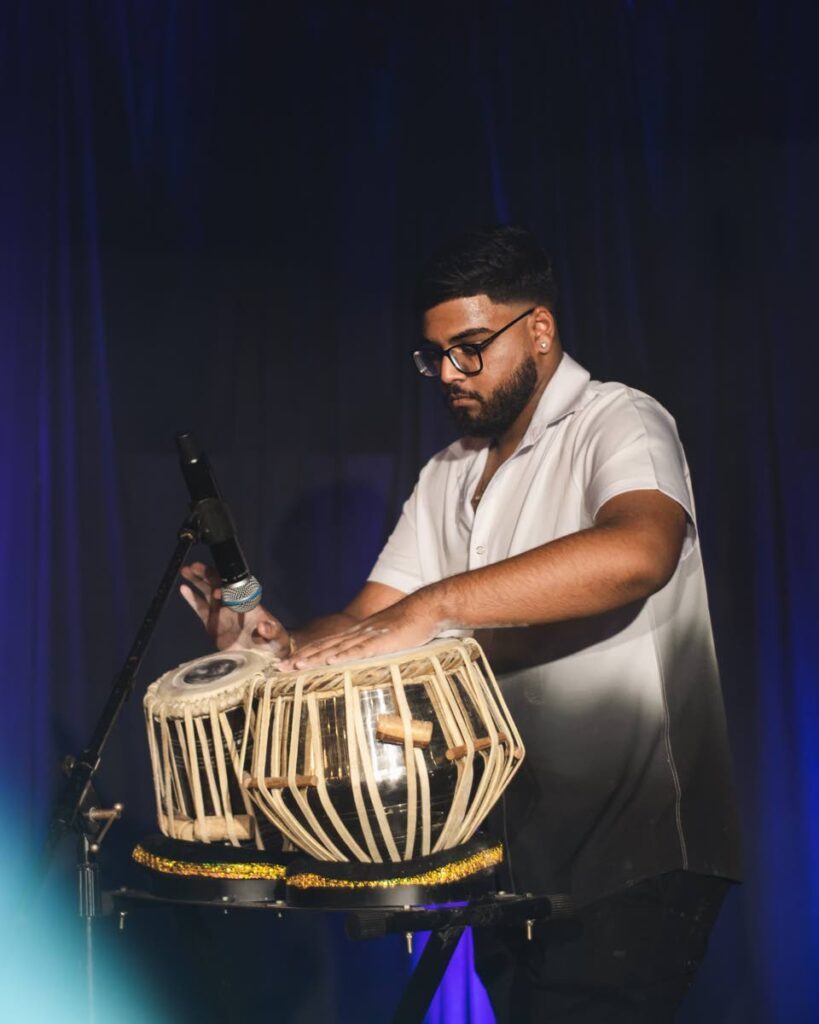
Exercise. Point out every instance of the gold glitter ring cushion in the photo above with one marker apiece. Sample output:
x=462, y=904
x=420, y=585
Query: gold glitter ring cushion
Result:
x=465, y=872
x=178, y=870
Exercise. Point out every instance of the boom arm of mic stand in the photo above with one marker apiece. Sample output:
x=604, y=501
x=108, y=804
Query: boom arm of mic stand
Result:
x=66, y=813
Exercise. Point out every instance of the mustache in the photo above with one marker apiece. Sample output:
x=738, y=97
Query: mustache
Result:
x=453, y=391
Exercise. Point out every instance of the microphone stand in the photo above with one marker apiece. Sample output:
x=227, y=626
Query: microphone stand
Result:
x=75, y=808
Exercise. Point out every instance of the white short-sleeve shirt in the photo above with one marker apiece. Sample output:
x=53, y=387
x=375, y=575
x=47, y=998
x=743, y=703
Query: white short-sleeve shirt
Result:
x=627, y=772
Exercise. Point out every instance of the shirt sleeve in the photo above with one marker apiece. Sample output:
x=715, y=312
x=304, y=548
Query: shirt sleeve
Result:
x=398, y=565
x=633, y=445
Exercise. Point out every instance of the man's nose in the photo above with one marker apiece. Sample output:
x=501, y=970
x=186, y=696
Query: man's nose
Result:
x=450, y=372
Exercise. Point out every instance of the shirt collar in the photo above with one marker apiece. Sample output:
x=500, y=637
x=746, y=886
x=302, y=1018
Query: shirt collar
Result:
x=564, y=393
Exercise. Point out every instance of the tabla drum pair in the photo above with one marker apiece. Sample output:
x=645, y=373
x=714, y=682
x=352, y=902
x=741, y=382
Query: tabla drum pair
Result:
x=379, y=760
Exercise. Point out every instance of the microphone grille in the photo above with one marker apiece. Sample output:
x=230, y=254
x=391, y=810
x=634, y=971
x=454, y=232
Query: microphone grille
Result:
x=243, y=595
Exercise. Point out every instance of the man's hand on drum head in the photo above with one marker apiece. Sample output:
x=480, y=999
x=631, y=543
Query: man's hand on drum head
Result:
x=229, y=629
x=409, y=622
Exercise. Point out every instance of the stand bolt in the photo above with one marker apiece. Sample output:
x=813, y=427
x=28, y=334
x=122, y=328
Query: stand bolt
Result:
x=529, y=926
x=408, y=937
x=121, y=922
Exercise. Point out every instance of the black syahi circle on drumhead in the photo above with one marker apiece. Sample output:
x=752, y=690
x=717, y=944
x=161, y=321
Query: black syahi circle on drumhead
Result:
x=211, y=671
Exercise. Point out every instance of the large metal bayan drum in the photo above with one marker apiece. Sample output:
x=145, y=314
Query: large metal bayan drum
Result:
x=200, y=736
x=383, y=759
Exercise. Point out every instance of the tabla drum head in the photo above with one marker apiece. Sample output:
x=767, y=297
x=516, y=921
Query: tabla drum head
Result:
x=213, y=677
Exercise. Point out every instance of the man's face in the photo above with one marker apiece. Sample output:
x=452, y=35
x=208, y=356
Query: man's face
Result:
x=488, y=404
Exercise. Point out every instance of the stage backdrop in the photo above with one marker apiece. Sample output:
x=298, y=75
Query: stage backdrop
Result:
x=210, y=219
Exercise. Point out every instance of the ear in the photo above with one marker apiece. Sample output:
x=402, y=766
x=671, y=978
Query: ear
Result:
x=544, y=330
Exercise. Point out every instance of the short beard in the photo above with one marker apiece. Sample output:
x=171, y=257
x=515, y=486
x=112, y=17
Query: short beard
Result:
x=500, y=410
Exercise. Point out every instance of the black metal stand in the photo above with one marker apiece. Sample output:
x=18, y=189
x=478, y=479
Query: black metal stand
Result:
x=90, y=907
x=81, y=771
x=74, y=809
x=428, y=974
x=446, y=925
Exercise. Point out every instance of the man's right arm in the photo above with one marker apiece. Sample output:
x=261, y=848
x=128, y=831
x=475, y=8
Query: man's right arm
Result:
x=372, y=598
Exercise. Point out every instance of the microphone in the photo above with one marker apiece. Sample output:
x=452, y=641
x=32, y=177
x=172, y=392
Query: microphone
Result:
x=240, y=590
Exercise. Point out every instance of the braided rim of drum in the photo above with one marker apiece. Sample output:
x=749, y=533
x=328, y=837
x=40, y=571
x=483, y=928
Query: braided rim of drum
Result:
x=223, y=700
x=501, y=750
x=418, y=661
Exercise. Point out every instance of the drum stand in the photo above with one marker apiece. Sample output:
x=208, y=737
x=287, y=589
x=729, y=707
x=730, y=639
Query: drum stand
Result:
x=446, y=925
x=75, y=808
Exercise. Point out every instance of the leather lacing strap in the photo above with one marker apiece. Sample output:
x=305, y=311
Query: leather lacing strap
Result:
x=317, y=765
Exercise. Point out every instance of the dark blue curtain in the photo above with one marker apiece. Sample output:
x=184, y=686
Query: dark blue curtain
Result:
x=210, y=217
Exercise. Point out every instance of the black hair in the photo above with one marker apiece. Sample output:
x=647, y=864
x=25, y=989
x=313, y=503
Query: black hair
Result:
x=503, y=261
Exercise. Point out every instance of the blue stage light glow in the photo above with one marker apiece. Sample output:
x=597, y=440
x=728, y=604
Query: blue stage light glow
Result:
x=43, y=966
x=461, y=996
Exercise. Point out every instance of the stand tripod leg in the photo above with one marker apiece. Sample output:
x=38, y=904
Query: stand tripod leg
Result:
x=89, y=969
x=90, y=908
x=427, y=976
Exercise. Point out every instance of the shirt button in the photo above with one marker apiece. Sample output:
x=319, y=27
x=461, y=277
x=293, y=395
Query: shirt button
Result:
x=480, y=550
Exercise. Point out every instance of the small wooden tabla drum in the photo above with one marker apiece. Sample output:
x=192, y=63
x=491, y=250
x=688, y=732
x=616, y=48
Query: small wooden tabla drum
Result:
x=200, y=736
x=384, y=759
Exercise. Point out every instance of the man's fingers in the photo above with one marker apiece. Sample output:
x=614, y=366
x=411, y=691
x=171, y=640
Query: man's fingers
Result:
x=359, y=645
x=362, y=649
x=269, y=629
x=317, y=646
x=195, y=600
x=203, y=569
x=205, y=577
x=197, y=570
x=265, y=629
x=212, y=576
x=365, y=645
x=315, y=651
x=197, y=579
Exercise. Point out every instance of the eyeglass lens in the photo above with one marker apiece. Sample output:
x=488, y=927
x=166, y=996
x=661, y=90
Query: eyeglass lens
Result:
x=464, y=357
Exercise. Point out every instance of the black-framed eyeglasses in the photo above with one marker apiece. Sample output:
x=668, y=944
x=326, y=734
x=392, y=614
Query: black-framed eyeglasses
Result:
x=466, y=357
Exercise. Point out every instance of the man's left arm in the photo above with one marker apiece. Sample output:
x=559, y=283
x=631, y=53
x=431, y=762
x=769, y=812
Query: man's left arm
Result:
x=630, y=552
